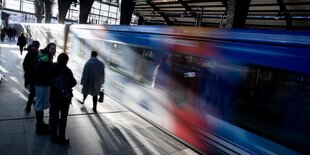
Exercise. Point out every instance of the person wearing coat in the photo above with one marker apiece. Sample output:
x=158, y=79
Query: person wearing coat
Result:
x=30, y=60
x=21, y=42
x=92, y=79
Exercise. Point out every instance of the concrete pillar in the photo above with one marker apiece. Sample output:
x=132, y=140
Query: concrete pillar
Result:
x=63, y=7
x=85, y=8
x=126, y=9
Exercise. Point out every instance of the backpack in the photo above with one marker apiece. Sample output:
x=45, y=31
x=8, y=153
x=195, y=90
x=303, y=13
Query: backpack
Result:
x=62, y=86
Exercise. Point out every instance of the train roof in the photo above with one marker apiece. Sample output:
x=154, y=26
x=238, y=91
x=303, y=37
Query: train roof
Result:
x=284, y=37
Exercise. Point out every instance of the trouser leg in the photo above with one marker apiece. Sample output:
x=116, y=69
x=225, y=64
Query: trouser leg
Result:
x=26, y=83
x=84, y=97
x=54, y=119
x=41, y=127
x=20, y=49
x=63, y=120
x=32, y=94
x=39, y=117
x=95, y=100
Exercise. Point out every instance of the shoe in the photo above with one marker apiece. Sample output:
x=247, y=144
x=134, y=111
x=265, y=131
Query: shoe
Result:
x=63, y=141
x=95, y=110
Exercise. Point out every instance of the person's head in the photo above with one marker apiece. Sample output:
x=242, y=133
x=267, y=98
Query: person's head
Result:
x=51, y=48
x=94, y=54
x=22, y=34
x=62, y=59
x=35, y=45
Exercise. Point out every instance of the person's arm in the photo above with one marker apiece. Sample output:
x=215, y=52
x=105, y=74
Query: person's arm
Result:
x=84, y=74
x=71, y=78
x=18, y=40
x=26, y=63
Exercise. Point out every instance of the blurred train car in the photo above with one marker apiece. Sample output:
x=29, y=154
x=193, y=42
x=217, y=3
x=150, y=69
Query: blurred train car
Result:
x=220, y=91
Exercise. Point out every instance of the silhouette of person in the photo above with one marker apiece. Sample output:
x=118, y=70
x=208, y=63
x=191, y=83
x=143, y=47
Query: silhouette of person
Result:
x=21, y=42
x=30, y=59
x=42, y=75
x=14, y=33
x=58, y=104
x=92, y=79
x=3, y=31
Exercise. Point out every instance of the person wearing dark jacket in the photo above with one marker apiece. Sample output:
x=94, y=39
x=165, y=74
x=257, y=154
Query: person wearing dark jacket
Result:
x=30, y=59
x=42, y=77
x=21, y=42
x=3, y=31
x=58, y=103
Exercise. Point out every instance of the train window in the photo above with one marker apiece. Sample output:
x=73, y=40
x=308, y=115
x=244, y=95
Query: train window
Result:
x=271, y=102
x=185, y=76
x=264, y=75
x=137, y=63
x=114, y=54
x=144, y=66
x=187, y=61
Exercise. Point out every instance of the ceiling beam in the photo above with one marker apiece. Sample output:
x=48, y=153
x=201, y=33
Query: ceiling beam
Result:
x=167, y=20
x=188, y=9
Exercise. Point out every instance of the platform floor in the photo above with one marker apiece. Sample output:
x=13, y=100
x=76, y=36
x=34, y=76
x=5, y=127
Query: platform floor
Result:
x=113, y=130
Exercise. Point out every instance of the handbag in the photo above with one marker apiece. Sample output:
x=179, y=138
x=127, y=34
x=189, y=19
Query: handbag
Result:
x=101, y=96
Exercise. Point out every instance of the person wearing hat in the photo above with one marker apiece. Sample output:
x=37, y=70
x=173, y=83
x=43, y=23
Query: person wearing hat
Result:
x=30, y=59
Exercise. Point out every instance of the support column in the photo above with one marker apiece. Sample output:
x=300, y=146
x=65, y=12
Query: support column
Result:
x=126, y=9
x=63, y=7
x=237, y=12
x=39, y=10
x=85, y=7
x=48, y=10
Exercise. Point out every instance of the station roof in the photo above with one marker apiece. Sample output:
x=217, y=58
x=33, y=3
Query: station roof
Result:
x=266, y=14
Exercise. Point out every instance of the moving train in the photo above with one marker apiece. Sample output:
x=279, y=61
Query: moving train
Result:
x=220, y=91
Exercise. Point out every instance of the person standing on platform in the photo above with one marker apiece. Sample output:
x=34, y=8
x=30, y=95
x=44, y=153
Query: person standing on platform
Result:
x=92, y=79
x=14, y=33
x=42, y=74
x=61, y=94
x=21, y=42
x=30, y=59
x=10, y=33
x=3, y=31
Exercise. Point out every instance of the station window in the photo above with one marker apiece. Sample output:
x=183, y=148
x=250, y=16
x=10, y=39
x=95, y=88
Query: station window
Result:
x=28, y=7
x=12, y=4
